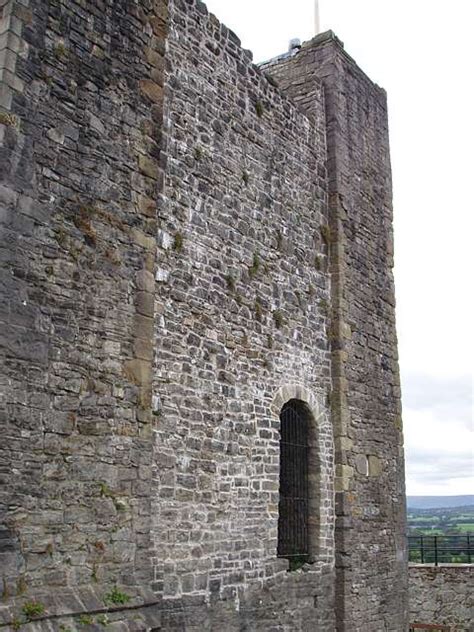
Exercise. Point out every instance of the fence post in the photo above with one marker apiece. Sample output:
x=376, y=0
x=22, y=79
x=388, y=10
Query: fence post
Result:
x=468, y=549
x=436, y=549
x=422, y=550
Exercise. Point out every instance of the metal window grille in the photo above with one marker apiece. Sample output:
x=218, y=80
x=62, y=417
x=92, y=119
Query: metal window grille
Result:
x=293, y=506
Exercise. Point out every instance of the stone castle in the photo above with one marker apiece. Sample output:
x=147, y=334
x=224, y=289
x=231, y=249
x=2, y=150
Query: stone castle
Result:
x=200, y=397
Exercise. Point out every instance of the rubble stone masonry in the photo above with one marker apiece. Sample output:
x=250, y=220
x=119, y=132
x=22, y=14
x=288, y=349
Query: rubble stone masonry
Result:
x=442, y=594
x=188, y=242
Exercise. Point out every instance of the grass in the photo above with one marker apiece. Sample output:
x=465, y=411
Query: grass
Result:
x=60, y=50
x=103, y=619
x=326, y=234
x=297, y=562
x=259, y=109
x=278, y=319
x=33, y=609
x=116, y=597
x=230, y=282
x=178, y=242
x=105, y=491
x=254, y=268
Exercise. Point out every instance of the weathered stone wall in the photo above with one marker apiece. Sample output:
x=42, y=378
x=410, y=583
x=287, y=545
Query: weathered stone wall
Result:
x=442, y=595
x=169, y=231
x=81, y=112
x=243, y=285
x=370, y=497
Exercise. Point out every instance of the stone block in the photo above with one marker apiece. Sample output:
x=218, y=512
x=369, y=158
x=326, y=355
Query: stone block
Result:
x=151, y=90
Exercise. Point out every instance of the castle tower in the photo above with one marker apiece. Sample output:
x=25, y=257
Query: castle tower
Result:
x=366, y=414
x=200, y=399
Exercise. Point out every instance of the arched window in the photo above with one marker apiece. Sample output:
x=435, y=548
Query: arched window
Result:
x=293, y=540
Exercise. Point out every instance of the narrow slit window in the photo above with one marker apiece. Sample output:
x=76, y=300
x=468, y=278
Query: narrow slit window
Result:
x=293, y=506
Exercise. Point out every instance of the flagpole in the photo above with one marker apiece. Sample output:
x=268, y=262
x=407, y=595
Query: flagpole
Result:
x=317, y=25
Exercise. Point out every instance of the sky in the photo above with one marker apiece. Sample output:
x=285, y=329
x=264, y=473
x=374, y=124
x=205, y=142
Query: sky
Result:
x=420, y=51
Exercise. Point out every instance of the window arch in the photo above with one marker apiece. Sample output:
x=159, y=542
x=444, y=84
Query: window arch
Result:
x=293, y=510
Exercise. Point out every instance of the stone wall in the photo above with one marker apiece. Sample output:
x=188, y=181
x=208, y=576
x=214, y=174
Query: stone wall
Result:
x=177, y=264
x=80, y=127
x=442, y=595
x=243, y=294
x=370, y=496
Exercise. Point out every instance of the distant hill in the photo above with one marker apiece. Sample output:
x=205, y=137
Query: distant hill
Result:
x=439, y=502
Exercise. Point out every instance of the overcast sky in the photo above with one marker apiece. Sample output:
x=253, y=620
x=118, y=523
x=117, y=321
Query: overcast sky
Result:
x=421, y=52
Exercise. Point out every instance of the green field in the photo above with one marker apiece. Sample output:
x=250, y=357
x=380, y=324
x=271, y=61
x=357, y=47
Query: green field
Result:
x=441, y=521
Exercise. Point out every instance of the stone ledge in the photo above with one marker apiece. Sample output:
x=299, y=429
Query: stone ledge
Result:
x=441, y=566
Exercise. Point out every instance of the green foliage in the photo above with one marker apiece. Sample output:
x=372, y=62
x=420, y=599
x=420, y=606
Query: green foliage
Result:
x=326, y=234
x=178, y=242
x=278, y=319
x=60, y=50
x=441, y=521
x=230, y=282
x=245, y=177
x=468, y=528
x=103, y=619
x=16, y=624
x=254, y=268
x=85, y=619
x=297, y=562
x=259, y=109
x=317, y=262
x=33, y=609
x=450, y=525
x=258, y=310
x=116, y=597
x=105, y=491
x=198, y=153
